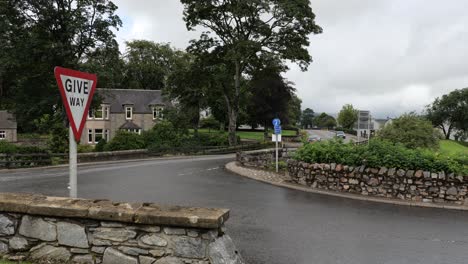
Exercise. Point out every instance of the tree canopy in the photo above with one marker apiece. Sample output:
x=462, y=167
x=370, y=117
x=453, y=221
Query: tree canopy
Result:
x=410, y=130
x=347, y=116
x=35, y=37
x=241, y=33
x=449, y=112
x=307, y=119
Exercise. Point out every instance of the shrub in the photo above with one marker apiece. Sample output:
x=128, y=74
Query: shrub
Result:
x=101, y=145
x=85, y=148
x=210, y=123
x=164, y=135
x=124, y=140
x=411, y=131
x=210, y=139
x=380, y=153
x=6, y=147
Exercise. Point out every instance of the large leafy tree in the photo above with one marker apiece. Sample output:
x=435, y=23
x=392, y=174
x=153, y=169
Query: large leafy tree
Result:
x=148, y=64
x=449, y=112
x=307, y=118
x=41, y=34
x=294, y=110
x=347, y=116
x=410, y=130
x=325, y=120
x=240, y=31
x=270, y=95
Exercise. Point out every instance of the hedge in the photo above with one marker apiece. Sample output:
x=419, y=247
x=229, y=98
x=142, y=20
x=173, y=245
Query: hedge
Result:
x=380, y=153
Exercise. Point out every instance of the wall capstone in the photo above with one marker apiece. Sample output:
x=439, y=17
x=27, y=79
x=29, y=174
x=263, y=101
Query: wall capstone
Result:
x=64, y=230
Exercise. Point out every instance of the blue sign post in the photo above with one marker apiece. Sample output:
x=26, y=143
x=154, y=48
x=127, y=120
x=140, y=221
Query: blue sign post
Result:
x=277, y=127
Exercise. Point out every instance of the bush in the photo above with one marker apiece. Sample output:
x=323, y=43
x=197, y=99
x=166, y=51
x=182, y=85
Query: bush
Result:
x=209, y=139
x=380, y=153
x=85, y=148
x=164, y=135
x=210, y=123
x=101, y=145
x=411, y=131
x=124, y=140
x=9, y=148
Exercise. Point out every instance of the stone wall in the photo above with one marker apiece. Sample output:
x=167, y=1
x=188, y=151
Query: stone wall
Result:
x=411, y=185
x=63, y=230
x=261, y=158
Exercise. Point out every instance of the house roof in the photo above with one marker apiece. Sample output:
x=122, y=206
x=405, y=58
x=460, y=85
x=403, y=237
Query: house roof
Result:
x=140, y=99
x=129, y=125
x=7, y=120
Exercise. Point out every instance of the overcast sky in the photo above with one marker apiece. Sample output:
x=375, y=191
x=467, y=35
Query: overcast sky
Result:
x=386, y=56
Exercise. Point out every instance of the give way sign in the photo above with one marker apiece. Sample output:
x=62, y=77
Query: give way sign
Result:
x=77, y=90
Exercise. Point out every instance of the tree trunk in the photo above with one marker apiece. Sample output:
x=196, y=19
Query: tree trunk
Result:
x=233, y=107
x=449, y=131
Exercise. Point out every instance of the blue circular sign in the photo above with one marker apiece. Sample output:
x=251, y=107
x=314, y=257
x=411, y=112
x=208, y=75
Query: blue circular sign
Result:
x=276, y=122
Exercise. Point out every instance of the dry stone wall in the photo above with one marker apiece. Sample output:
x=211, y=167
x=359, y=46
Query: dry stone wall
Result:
x=261, y=159
x=418, y=185
x=63, y=230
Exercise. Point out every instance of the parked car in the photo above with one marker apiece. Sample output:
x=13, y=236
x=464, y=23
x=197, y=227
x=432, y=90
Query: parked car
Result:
x=340, y=134
x=313, y=139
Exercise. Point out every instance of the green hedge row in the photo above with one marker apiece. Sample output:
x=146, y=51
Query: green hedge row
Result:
x=9, y=148
x=380, y=153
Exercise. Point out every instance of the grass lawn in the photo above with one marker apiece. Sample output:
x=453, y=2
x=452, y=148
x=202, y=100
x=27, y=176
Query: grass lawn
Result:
x=451, y=147
x=257, y=135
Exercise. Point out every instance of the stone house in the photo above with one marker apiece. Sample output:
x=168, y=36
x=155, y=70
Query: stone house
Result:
x=8, y=127
x=123, y=109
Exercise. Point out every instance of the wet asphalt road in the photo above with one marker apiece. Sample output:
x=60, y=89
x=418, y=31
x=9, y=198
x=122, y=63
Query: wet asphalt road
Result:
x=270, y=224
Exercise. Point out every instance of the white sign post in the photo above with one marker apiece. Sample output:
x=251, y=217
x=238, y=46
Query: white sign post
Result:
x=77, y=90
x=276, y=137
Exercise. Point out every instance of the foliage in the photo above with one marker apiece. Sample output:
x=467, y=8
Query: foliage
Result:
x=270, y=96
x=36, y=36
x=379, y=153
x=307, y=120
x=208, y=139
x=59, y=139
x=9, y=148
x=166, y=135
x=411, y=131
x=101, y=145
x=85, y=148
x=210, y=123
x=148, y=64
x=347, y=116
x=324, y=120
x=124, y=140
x=243, y=33
x=450, y=111
x=294, y=110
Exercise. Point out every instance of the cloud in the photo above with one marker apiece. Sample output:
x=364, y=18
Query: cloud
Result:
x=389, y=57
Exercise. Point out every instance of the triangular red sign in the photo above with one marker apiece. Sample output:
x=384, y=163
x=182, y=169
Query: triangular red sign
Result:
x=77, y=90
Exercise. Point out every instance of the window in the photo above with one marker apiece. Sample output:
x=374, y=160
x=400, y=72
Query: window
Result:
x=101, y=113
x=107, y=135
x=90, y=136
x=2, y=134
x=158, y=112
x=106, y=112
x=98, y=135
x=128, y=112
x=98, y=113
x=137, y=131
